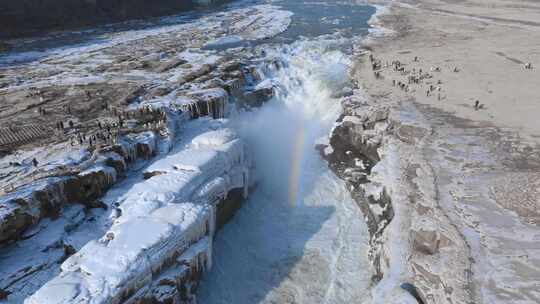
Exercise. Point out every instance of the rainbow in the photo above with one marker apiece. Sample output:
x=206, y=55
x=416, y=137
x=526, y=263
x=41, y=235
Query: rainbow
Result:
x=296, y=164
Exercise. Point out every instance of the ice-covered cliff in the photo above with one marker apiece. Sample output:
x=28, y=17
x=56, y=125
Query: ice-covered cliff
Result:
x=161, y=238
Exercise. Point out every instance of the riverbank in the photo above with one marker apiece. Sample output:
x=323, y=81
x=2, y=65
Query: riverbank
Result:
x=25, y=18
x=449, y=184
x=489, y=45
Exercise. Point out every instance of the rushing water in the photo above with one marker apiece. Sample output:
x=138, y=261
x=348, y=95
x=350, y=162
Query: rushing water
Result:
x=300, y=238
x=312, y=18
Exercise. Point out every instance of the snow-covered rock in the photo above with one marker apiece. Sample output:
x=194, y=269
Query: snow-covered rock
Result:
x=417, y=252
x=86, y=182
x=258, y=95
x=161, y=240
x=209, y=102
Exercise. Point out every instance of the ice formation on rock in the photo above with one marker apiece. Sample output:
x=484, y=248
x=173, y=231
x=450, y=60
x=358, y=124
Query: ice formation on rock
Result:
x=87, y=181
x=165, y=226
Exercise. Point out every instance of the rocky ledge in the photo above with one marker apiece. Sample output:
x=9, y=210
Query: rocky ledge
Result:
x=84, y=183
x=417, y=253
x=447, y=200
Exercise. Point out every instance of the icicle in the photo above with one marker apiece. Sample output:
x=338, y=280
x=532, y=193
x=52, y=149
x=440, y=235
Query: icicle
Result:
x=213, y=219
x=245, y=177
x=223, y=105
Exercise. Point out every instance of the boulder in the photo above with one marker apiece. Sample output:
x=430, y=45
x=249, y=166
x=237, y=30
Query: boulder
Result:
x=196, y=73
x=94, y=182
x=208, y=102
x=425, y=241
x=257, y=96
x=14, y=219
x=170, y=64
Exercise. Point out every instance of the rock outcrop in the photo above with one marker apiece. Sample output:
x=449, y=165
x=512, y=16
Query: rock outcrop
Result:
x=352, y=154
x=27, y=205
x=209, y=102
x=257, y=95
x=414, y=246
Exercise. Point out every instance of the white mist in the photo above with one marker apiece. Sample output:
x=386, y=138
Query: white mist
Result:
x=300, y=238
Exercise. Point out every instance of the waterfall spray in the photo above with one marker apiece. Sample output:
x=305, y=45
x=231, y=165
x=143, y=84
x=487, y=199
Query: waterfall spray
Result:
x=283, y=133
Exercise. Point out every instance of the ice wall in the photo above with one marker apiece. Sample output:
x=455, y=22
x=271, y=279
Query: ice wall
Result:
x=161, y=238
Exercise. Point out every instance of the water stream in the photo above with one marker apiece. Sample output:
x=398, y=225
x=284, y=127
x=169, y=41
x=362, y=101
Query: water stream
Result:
x=300, y=238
